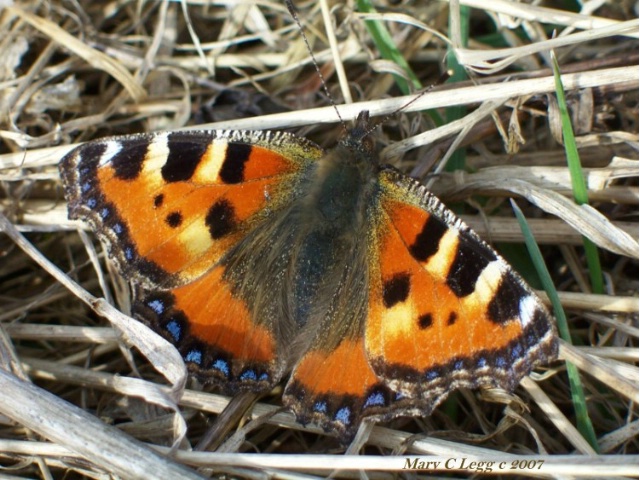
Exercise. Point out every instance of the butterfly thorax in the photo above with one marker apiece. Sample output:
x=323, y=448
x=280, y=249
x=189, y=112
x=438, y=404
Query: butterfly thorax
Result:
x=340, y=187
x=342, y=182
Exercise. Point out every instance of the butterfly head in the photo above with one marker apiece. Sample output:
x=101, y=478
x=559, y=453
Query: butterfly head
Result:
x=358, y=138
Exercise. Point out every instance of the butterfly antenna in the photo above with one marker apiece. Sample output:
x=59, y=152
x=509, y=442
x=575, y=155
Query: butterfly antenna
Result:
x=293, y=12
x=445, y=76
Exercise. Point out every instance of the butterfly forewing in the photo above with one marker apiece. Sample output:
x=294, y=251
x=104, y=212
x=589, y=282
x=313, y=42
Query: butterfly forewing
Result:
x=446, y=311
x=171, y=204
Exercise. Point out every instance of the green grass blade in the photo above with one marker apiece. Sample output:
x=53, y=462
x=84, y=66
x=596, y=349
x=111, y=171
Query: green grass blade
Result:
x=584, y=425
x=387, y=49
x=579, y=189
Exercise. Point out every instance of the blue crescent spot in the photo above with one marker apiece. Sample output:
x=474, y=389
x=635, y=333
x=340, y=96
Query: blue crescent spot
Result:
x=84, y=171
x=375, y=399
x=194, y=356
x=117, y=228
x=517, y=351
x=92, y=202
x=399, y=396
x=175, y=330
x=104, y=213
x=157, y=306
x=431, y=375
x=320, y=407
x=221, y=366
x=264, y=377
x=248, y=375
x=128, y=253
x=481, y=362
x=86, y=186
x=343, y=415
x=500, y=362
x=459, y=365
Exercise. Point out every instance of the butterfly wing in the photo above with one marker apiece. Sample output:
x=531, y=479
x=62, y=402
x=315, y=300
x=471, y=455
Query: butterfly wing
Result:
x=170, y=206
x=440, y=310
x=445, y=310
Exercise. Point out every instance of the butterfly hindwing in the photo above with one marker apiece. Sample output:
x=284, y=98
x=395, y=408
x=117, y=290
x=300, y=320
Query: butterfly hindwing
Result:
x=337, y=388
x=216, y=333
x=445, y=310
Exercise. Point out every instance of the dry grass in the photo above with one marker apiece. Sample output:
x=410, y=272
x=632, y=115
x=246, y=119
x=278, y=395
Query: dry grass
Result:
x=74, y=71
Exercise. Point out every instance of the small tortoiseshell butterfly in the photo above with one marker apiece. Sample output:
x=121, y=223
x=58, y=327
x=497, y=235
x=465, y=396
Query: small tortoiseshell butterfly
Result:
x=258, y=254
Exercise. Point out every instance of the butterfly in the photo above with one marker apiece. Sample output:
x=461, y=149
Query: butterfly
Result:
x=261, y=256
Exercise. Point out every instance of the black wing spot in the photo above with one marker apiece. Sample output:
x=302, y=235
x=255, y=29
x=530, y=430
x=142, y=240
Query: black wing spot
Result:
x=504, y=305
x=396, y=289
x=427, y=241
x=425, y=321
x=174, y=219
x=232, y=170
x=128, y=162
x=185, y=154
x=220, y=219
x=540, y=325
x=470, y=260
x=90, y=155
x=158, y=200
x=452, y=318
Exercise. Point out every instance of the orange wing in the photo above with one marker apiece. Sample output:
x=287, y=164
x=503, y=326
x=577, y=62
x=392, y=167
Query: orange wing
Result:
x=171, y=206
x=337, y=388
x=215, y=330
x=445, y=310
